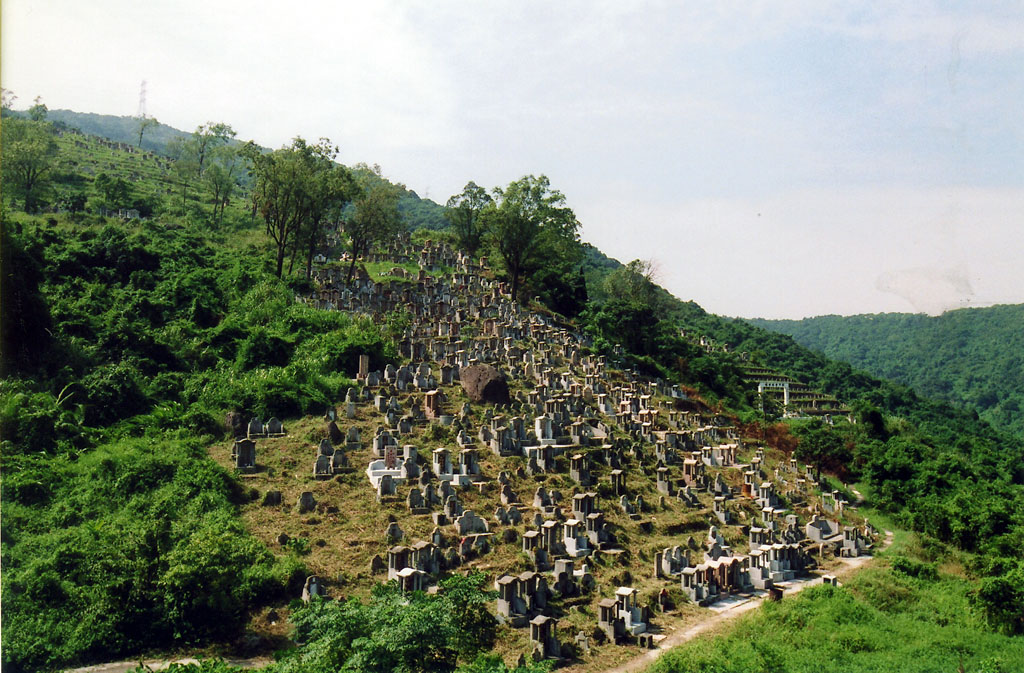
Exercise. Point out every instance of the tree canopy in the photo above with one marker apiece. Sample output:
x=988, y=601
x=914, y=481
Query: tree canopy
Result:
x=464, y=211
x=29, y=152
x=376, y=217
x=296, y=188
x=530, y=225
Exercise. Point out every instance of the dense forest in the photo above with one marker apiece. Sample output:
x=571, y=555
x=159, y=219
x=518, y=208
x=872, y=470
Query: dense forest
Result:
x=972, y=357
x=129, y=337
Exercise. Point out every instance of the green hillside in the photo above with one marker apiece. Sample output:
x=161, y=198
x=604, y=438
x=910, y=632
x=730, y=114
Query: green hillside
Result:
x=973, y=357
x=145, y=315
x=119, y=129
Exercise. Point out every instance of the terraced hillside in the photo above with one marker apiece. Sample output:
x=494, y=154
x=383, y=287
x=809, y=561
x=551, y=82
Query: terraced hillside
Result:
x=549, y=453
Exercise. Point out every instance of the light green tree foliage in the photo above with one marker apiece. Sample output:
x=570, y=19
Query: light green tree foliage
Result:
x=634, y=282
x=221, y=177
x=192, y=155
x=376, y=217
x=29, y=150
x=111, y=193
x=296, y=190
x=38, y=112
x=530, y=225
x=207, y=138
x=145, y=123
x=464, y=212
x=331, y=189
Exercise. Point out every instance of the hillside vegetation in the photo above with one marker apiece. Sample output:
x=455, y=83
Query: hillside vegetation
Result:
x=127, y=343
x=972, y=358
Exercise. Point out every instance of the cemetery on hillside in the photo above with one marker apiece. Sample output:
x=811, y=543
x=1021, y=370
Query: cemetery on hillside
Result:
x=607, y=508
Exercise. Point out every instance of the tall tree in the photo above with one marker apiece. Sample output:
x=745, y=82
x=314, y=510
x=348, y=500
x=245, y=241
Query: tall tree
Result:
x=333, y=187
x=530, y=224
x=295, y=189
x=143, y=124
x=376, y=218
x=38, y=112
x=28, y=158
x=220, y=179
x=463, y=211
x=206, y=138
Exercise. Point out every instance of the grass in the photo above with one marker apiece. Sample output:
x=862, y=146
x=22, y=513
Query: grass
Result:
x=348, y=528
x=879, y=621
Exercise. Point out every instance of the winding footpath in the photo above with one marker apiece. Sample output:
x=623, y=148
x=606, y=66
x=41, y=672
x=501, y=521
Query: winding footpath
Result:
x=731, y=610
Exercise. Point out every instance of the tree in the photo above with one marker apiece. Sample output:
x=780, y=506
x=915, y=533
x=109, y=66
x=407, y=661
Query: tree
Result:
x=7, y=98
x=37, y=112
x=530, y=225
x=220, y=178
x=111, y=193
x=634, y=282
x=333, y=187
x=376, y=218
x=295, y=189
x=145, y=123
x=463, y=211
x=28, y=152
x=206, y=138
x=185, y=165
x=474, y=626
x=820, y=446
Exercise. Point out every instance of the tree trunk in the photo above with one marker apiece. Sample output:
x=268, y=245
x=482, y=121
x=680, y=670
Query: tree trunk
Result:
x=309, y=256
x=280, y=259
x=515, y=283
x=351, y=268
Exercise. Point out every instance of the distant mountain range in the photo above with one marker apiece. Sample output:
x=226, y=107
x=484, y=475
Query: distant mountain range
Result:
x=971, y=357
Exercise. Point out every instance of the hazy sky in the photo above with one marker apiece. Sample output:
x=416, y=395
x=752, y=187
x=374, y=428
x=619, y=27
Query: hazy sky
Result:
x=776, y=159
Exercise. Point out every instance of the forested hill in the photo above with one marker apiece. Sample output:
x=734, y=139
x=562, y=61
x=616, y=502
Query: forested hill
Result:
x=150, y=303
x=971, y=357
x=119, y=129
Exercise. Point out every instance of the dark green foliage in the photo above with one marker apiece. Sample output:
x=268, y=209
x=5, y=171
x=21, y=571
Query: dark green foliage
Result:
x=134, y=545
x=970, y=357
x=1002, y=600
x=394, y=631
x=204, y=666
x=822, y=447
x=159, y=316
x=25, y=336
x=111, y=546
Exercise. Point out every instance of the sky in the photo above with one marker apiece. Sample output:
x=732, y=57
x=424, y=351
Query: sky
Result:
x=772, y=159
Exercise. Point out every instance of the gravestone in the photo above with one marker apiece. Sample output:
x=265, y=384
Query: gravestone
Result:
x=306, y=502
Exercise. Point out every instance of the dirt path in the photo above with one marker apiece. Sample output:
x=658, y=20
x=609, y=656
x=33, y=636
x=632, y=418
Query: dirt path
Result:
x=723, y=615
x=161, y=665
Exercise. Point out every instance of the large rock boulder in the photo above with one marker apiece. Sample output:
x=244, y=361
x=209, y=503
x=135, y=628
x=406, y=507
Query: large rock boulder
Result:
x=484, y=383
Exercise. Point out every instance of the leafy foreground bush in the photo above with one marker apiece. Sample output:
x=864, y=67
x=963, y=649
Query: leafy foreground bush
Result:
x=883, y=620
x=394, y=631
x=133, y=546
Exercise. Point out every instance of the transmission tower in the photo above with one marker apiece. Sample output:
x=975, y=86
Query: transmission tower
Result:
x=142, y=101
